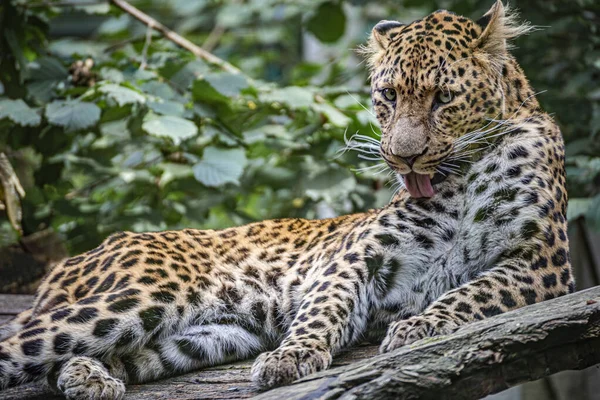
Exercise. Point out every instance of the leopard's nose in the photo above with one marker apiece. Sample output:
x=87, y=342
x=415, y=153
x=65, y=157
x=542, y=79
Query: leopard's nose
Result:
x=410, y=160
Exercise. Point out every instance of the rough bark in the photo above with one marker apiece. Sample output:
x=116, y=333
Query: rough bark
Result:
x=479, y=359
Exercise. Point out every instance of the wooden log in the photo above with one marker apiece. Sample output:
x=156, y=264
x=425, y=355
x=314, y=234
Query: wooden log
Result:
x=479, y=359
x=12, y=304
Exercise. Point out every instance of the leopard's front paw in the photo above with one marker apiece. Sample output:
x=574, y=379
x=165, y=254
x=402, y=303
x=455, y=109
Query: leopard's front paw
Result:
x=407, y=331
x=286, y=364
x=84, y=378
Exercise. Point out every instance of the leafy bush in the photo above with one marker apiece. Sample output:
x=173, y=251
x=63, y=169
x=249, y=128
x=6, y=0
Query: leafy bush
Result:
x=154, y=138
x=123, y=130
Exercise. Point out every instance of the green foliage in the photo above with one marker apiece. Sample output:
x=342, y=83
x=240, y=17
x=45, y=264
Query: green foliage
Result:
x=154, y=138
x=72, y=115
x=18, y=112
x=330, y=15
x=218, y=167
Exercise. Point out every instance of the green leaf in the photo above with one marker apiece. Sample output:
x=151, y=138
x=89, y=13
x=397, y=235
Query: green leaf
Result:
x=293, y=96
x=112, y=74
x=328, y=23
x=19, y=112
x=220, y=166
x=8, y=235
x=333, y=115
x=219, y=87
x=186, y=8
x=132, y=175
x=122, y=95
x=227, y=84
x=204, y=92
x=578, y=207
x=102, y=8
x=159, y=89
x=173, y=172
x=70, y=47
x=209, y=132
x=72, y=115
x=346, y=101
x=189, y=73
x=266, y=131
x=17, y=52
x=115, y=25
x=330, y=185
x=175, y=128
x=593, y=213
x=232, y=15
x=45, y=74
x=167, y=108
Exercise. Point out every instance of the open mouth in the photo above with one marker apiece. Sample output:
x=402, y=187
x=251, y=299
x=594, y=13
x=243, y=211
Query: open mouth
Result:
x=422, y=185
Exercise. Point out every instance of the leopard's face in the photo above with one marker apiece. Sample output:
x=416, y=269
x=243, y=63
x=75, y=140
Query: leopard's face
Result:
x=432, y=84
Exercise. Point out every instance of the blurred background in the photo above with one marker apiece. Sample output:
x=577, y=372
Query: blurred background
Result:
x=106, y=125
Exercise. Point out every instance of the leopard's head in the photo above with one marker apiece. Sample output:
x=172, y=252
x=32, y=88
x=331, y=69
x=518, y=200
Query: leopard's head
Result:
x=437, y=80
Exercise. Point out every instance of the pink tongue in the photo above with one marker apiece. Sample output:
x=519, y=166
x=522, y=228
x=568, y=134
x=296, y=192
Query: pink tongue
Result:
x=418, y=185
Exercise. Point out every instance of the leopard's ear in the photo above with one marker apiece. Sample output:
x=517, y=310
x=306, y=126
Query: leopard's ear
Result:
x=382, y=34
x=499, y=25
x=385, y=31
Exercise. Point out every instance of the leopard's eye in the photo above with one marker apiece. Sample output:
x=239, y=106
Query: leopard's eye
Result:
x=389, y=94
x=443, y=97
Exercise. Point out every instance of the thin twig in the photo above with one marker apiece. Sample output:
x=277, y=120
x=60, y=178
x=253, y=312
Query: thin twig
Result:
x=64, y=3
x=213, y=38
x=174, y=37
x=147, y=42
x=122, y=43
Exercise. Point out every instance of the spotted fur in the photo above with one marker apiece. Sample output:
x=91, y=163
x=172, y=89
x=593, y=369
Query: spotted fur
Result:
x=492, y=238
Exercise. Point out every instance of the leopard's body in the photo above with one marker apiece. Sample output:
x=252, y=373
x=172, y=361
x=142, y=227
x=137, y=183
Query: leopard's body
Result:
x=492, y=238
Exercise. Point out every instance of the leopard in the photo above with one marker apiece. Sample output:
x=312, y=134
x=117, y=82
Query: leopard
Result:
x=477, y=229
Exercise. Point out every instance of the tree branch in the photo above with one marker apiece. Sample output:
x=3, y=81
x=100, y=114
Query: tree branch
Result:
x=63, y=3
x=11, y=193
x=213, y=38
x=479, y=359
x=174, y=37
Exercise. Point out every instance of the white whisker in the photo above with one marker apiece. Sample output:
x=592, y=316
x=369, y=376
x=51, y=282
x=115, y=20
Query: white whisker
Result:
x=360, y=104
x=374, y=169
x=365, y=157
x=378, y=134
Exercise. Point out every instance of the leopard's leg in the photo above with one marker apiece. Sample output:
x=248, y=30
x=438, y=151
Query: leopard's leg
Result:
x=195, y=347
x=191, y=349
x=512, y=284
x=332, y=313
x=87, y=378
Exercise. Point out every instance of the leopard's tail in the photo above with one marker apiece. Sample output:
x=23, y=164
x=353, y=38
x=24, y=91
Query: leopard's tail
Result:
x=33, y=350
